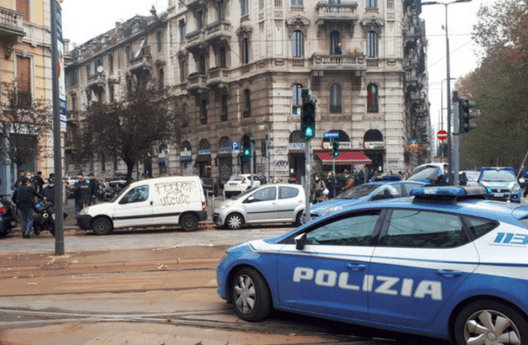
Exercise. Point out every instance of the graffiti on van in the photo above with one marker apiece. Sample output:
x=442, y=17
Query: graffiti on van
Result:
x=174, y=193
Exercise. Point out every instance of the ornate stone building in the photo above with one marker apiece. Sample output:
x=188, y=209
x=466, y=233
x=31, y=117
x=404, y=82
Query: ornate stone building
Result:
x=240, y=68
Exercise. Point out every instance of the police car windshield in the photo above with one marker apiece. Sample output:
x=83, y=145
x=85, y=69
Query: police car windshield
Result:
x=497, y=176
x=428, y=172
x=358, y=192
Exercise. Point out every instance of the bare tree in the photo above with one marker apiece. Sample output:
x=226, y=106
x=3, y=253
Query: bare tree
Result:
x=25, y=125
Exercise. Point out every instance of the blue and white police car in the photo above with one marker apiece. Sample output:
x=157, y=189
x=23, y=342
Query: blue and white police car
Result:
x=446, y=263
x=503, y=182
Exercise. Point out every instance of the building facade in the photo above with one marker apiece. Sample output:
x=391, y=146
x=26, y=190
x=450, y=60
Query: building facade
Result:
x=25, y=64
x=239, y=68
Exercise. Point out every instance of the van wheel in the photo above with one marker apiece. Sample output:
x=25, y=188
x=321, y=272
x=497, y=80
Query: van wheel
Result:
x=189, y=222
x=234, y=221
x=102, y=226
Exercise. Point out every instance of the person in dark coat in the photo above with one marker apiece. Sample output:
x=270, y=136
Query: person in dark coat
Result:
x=331, y=184
x=38, y=181
x=24, y=197
x=81, y=190
x=94, y=187
x=18, y=182
x=49, y=191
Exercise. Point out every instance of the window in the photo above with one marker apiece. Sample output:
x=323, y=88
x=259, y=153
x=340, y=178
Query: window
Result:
x=297, y=95
x=479, y=227
x=356, y=230
x=221, y=10
x=161, y=78
x=297, y=3
x=112, y=93
x=201, y=66
x=372, y=98
x=223, y=57
x=87, y=68
x=247, y=103
x=288, y=192
x=335, y=43
x=183, y=71
x=334, y=2
x=203, y=112
x=200, y=18
x=266, y=194
x=244, y=7
x=182, y=30
x=297, y=44
x=388, y=192
x=421, y=229
x=335, y=98
x=111, y=62
x=73, y=106
x=390, y=3
x=245, y=51
x=72, y=78
x=159, y=40
x=137, y=194
x=223, y=116
x=372, y=44
x=372, y=3
x=23, y=6
x=23, y=82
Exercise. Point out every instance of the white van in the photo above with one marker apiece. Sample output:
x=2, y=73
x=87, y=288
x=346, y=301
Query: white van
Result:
x=152, y=202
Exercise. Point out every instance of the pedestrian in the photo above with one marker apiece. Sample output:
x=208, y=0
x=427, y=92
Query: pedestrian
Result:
x=350, y=181
x=81, y=193
x=38, y=181
x=318, y=189
x=21, y=174
x=49, y=190
x=94, y=187
x=331, y=184
x=24, y=197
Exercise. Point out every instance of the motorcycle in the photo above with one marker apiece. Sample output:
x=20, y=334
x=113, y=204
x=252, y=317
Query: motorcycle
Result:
x=108, y=190
x=8, y=219
x=44, y=217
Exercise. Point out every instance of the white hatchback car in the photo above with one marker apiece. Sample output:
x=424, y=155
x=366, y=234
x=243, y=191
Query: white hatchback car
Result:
x=268, y=203
x=239, y=183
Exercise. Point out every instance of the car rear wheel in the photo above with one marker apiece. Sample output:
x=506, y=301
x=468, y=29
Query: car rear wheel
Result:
x=234, y=221
x=250, y=295
x=298, y=220
x=102, y=226
x=189, y=222
x=489, y=322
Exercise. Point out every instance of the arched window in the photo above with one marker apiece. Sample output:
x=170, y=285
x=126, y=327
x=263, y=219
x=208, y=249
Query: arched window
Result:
x=335, y=98
x=297, y=44
x=223, y=116
x=247, y=103
x=372, y=98
x=335, y=43
x=245, y=51
x=297, y=95
x=203, y=112
x=372, y=44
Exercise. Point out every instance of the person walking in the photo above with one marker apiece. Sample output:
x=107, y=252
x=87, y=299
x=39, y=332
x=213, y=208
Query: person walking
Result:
x=24, y=197
x=38, y=181
x=94, y=187
x=49, y=190
x=318, y=188
x=331, y=184
x=18, y=182
x=81, y=190
x=349, y=181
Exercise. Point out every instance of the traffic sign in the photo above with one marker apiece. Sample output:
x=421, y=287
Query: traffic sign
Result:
x=235, y=145
x=441, y=135
x=331, y=135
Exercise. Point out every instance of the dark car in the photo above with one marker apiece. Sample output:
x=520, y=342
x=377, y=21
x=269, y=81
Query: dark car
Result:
x=7, y=216
x=210, y=186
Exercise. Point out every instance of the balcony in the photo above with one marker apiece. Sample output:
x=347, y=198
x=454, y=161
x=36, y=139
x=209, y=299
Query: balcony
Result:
x=324, y=62
x=195, y=42
x=196, y=83
x=96, y=80
x=343, y=13
x=218, y=33
x=143, y=60
x=11, y=29
x=218, y=78
x=194, y=5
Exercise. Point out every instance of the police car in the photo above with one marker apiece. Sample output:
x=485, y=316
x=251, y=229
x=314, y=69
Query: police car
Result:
x=446, y=263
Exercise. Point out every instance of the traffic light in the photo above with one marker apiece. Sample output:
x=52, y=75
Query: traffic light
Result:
x=308, y=121
x=246, y=150
x=335, y=148
x=465, y=115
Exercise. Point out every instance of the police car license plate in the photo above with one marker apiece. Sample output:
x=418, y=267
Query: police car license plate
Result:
x=499, y=195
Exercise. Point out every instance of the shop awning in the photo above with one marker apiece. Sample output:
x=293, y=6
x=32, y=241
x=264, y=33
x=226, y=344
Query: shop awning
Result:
x=344, y=158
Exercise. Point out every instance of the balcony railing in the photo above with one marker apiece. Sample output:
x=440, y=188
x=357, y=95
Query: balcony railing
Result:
x=342, y=11
x=196, y=83
x=343, y=62
x=218, y=31
x=11, y=23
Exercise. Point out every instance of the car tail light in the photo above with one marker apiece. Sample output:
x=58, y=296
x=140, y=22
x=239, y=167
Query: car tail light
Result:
x=243, y=181
x=203, y=206
x=3, y=210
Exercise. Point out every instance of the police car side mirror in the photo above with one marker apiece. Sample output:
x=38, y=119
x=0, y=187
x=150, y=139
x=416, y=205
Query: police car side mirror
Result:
x=300, y=241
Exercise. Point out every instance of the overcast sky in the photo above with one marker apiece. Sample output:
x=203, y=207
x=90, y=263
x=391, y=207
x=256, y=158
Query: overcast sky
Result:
x=83, y=20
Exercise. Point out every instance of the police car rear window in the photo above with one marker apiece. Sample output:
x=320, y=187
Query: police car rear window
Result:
x=479, y=227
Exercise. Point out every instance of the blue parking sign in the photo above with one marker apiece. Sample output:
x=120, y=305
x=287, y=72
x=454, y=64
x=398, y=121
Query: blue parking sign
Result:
x=235, y=145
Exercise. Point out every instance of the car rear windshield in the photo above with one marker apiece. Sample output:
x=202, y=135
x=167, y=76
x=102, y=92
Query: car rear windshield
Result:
x=237, y=178
x=497, y=176
x=358, y=192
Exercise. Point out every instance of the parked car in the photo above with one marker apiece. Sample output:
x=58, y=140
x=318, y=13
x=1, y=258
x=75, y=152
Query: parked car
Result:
x=503, y=182
x=240, y=183
x=152, y=202
x=433, y=265
x=430, y=173
x=210, y=186
x=371, y=191
x=264, y=204
x=8, y=219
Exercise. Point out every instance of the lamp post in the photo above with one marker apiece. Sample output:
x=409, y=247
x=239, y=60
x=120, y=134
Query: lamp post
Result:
x=448, y=72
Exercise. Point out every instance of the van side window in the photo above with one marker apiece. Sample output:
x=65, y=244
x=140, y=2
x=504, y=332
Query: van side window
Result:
x=137, y=194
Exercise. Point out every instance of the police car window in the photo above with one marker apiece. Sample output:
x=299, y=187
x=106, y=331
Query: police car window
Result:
x=265, y=194
x=422, y=229
x=386, y=192
x=350, y=231
x=479, y=227
x=136, y=194
x=410, y=186
x=288, y=192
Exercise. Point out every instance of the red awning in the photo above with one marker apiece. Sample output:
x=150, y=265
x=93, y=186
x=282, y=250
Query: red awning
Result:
x=344, y=158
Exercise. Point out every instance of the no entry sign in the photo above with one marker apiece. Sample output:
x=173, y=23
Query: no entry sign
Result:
x=441, y=135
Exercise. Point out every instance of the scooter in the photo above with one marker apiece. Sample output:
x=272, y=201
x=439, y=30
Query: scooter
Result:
x=108, y=190
x=44, y=217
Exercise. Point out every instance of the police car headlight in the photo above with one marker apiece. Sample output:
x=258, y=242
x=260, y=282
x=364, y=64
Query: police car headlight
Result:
x=331, y=210
x=514, y=187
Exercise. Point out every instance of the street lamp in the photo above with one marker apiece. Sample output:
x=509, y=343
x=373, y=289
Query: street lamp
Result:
x=448, y=72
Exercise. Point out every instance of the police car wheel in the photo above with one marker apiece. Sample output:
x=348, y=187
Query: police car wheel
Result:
x=490, y=322
x=250, y=295
x=234, y=221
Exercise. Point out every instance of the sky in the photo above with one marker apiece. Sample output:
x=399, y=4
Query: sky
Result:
x=83, y=20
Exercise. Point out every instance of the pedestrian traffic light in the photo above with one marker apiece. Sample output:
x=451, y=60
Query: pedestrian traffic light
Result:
x=246, y=151
x=466, y=114
x=335, y=148
x=308, y=121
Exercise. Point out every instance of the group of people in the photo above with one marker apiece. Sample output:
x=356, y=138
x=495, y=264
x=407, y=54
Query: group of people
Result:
x=322, y=189
x=29, y=189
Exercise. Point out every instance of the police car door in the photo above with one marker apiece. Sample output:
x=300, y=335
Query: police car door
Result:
x=421, y=259
x=327, y=276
